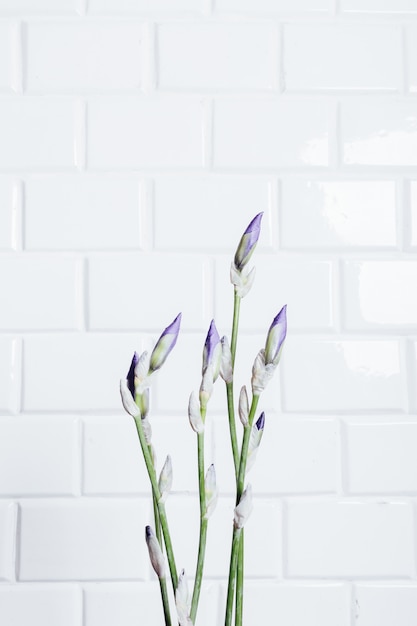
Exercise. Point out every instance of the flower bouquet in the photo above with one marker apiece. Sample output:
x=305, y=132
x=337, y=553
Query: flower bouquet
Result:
x=218, y=360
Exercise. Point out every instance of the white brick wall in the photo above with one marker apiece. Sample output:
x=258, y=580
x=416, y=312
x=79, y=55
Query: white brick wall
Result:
x=137, y=140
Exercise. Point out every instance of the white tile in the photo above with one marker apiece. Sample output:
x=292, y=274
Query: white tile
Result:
x=6, y=213
x=8, y=515
x=87, y=56
x=274, y=6
x=145, y=6
x=338, y=214
x=82, y=212
x=36, y=133
x=323, y=57
x=38, y=456
x=381, y=457
x=383, y=604
x=413, y=194
x=345, y=375
x=131, y=132
x=217, y=55
x=113, y=442
x=350, y=539
x=270, y=133
x=215, y=209
x=311, y=604
x=78, y=372
x=50, y=284
x=8, y=374
x=295, y=456
x=6, y=43
x=40, y=605
x=132, y=291
x=379, y=6
x=86, y=540
x=279, y=281
x=41, y=6
x=382, y=134
x=377, y=294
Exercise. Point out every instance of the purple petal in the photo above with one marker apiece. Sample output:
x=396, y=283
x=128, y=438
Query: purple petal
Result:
x=248, y=242
x=131, y=374
x=212, y=340
x=260, y=423
x=276, y=336
x=165, y=344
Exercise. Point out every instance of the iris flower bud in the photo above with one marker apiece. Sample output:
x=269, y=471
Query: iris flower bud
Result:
x=211, y=491
x=267, y=359
x=226, y=368
x=182, y=600
x=165, y=479
x=248, y=242
x=165, y=344
x=194, y=414
x=275, y=338
x=206, y=387
x=128, y=402
x=243, y=406
x=244, y=508
x=212, y=351
x=255, y=440
x=155, y=553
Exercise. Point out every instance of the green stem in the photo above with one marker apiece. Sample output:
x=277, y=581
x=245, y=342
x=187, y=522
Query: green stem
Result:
x=239, y=581
x=235, y=326
x=232, y=576
x=245, y=447
x=161, y=508
x=237, y=546
x=232, y=426
x=203, y=524
x=165, y=601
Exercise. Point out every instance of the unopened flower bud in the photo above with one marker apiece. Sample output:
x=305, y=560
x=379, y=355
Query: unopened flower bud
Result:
x=182, y=600
x=142, y=378
x=243, y=406
x=226, y=368
x=255, y=440
x=206, y=387
x=212, y=351
x=165, y=479
x=248, y=242
x=275, y=338
x=147, y=430
x=243, y=280
x=211, y=491
x=155, y=553
x=244, y=508
x=128, y=402
x=261, y=373
x=165, y=344
x=194, y=414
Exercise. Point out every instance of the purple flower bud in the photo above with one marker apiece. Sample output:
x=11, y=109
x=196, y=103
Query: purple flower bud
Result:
x=131, y=374
x=212, y=351
x=275, y=337
x=155, y=553
x=164, y=345
x=248, y=242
